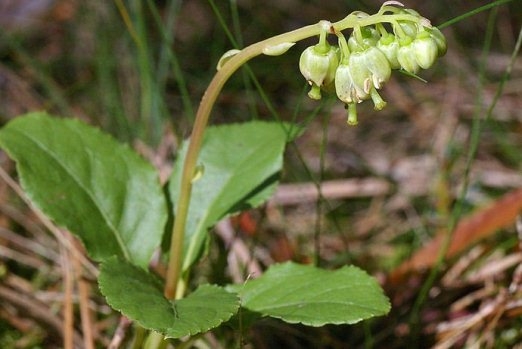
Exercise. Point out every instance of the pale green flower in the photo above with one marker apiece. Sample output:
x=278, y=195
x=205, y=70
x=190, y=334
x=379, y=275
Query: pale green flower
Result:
x=318, y=65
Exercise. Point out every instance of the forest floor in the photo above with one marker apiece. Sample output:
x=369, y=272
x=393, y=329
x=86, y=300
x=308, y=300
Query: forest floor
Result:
x=439, y=167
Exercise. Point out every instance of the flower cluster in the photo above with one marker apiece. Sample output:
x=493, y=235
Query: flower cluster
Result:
x=356, y=68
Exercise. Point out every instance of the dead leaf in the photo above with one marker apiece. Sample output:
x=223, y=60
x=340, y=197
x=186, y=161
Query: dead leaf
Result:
x=483, y=223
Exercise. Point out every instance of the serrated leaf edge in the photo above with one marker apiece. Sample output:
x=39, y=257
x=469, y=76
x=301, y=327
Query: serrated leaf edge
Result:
x=165, y=331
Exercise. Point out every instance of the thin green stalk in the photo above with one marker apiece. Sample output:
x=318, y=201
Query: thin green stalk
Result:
x=459, y=207
x=237, y=41
x=316, y=182
x=127, y=20
x=155, y=340
x=506, y=75
x=473, y=12
x=107, y=83
x=167, y=55
x=149, y=99
x=167, y=31
x=139, y=337
x=368, y=337
x=245, y=74
x=203, y=114
x=320, y=200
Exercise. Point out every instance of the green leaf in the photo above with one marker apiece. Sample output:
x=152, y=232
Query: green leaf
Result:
x=312, y=296
x=138, y=295
x=89, y=183
x=241, y=164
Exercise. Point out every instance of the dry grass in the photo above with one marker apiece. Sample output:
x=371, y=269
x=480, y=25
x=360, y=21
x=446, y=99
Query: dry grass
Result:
x=396, y=178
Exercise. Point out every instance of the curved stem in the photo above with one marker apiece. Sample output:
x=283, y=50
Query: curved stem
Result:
x=203, y=114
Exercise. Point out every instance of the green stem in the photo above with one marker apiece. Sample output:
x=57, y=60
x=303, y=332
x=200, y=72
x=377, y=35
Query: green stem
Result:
x=352, y=114
x=322, y=47
x=358, y=37
x=343, y=45
x=155, y=340
x=209, y=98
x=381, y=29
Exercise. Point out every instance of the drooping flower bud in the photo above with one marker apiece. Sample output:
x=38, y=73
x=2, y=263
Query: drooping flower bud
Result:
x=366, y=37
x=361, y=76
x=360, y=73
x=378, y=65
x=439, y=39
x=406, y=56
x=344, y=84
x=389, y=45
x=426, y=50
x=318, y=64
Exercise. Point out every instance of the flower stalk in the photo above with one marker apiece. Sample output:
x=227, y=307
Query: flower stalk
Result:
x=175, y=284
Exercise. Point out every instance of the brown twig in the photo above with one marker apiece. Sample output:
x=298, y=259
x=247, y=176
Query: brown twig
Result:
x=288, y=194
x=37, y=310
x=57, y=233
x=239, y=257
x=120, y=333
x=83, y=287
x=67, y=304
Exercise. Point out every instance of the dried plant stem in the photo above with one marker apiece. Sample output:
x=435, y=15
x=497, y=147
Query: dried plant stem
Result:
x=83, y=286
x=68, y=289
x=59, y=235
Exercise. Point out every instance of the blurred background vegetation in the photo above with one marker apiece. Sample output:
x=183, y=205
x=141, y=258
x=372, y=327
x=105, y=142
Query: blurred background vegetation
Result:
x=138, y=69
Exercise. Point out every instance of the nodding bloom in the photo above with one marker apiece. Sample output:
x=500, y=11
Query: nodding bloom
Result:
x=389, y=45
x=361, y=65
x=318, y=65
x=426, y=50
x=361, y=72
